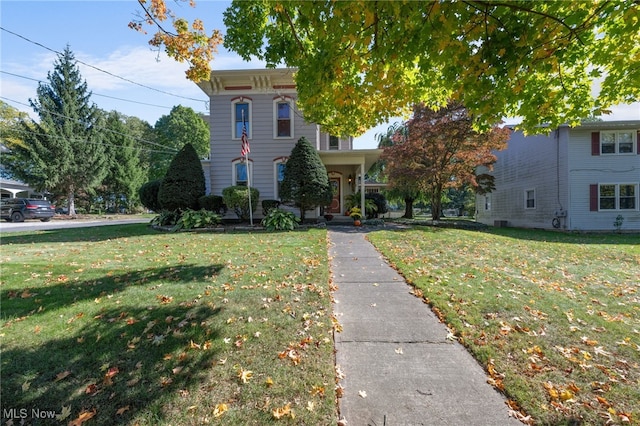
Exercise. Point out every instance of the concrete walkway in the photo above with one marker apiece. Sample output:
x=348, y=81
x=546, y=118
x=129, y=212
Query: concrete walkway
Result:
x=399, y=366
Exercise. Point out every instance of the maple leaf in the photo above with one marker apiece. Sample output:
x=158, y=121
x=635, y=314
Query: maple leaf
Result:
x=268, y=382
x=64, y=413
x=245, y=375
x=220, y=409
x=280, y=412
x=84, y=416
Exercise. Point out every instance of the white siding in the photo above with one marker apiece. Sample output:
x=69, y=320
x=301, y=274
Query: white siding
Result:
x=586, y=169
x=528, y=163
x=561, y=169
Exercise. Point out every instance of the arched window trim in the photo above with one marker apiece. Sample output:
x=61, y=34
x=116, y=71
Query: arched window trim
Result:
x=234, y=163
x=249, y=120
x=289, y=100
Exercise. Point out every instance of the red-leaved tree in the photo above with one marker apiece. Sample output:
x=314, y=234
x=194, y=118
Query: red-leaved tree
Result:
x=439, y=150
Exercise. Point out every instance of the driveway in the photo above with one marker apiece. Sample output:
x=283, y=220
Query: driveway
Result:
x=36, y=225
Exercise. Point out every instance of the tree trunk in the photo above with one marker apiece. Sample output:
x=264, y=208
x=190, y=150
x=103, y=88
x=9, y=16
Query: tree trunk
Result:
x=408, y=208
x=436, y=206
x=71, y=201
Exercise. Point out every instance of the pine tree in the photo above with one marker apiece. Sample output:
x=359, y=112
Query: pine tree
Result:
x=305, y=181
x=63, y=152
x=184, y=182
x=126, y=174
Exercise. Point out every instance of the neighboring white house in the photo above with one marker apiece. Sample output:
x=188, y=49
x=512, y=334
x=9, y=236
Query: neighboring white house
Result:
x=266, y=100
x=583, y=179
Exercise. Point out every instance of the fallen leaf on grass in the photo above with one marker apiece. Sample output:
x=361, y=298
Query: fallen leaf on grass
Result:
x=63, y=375
x=220, y=409
x=245, y=375
x=84, y=416
x=64, y=413
x=122, y=410
x=281, y=412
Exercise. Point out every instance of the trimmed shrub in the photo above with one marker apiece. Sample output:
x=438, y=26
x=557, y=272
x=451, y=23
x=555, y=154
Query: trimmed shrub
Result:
x=305, y=181
x=149, y=195
x=268, y=205
x=213, y=203
x=194, y=219
x=184, y=182
x=237, y=199
x=280, y=220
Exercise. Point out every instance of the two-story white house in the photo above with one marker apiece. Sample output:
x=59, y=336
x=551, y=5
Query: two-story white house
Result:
x=265, y=102
x=582, y=179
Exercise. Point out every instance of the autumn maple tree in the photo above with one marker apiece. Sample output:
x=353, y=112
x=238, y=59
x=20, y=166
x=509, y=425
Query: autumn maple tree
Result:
x=439, y=149
x=362, y=62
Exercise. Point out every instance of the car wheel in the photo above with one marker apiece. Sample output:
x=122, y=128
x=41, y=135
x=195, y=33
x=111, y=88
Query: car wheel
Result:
x=17, y=217
x=45, y=219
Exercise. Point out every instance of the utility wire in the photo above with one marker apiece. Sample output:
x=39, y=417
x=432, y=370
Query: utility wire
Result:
x=173, y=150
x=100, y=69
x=31, y=132
x=93, y=93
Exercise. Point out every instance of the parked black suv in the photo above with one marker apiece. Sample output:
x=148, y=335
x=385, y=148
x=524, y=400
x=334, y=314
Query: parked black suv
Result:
x=19, y=209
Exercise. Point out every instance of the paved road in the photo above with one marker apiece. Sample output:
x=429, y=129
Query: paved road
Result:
x=36, y=225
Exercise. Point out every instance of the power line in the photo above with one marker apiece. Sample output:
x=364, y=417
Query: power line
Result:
x=31, y=132
x=173, y=150
x=93, y=93
x=100, y=69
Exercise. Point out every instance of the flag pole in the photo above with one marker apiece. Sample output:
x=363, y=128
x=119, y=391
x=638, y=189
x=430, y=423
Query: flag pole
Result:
x=245, y=151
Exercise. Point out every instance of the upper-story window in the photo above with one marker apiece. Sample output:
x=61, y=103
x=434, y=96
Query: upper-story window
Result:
x=241, y=111
x=616, y=142
x=334, y=143
x=283, y=117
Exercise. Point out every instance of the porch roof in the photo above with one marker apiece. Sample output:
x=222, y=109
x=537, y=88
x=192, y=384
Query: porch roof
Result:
x=354, y=157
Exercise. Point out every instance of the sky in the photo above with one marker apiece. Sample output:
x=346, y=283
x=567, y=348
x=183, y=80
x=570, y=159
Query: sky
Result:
x=139, y=81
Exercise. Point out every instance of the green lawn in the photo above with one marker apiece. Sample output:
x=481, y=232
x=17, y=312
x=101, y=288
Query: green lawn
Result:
x=131, y=326
x=554, y=318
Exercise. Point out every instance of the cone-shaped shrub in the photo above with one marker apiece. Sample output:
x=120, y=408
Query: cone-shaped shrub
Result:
x=184, y=182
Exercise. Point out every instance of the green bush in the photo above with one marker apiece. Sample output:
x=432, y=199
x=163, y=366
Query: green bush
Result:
x=166, y=218
x=280, y=220
x=268, y=205
x=149, y=195
x=237, y=199
x=184, y=182
x=380, y=201
x=193, y=219
x=213, y=203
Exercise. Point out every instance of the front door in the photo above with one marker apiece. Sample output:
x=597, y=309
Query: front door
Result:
x=334, y=208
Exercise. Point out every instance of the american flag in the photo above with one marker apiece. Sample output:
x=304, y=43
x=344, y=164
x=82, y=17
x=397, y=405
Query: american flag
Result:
x=245, y=141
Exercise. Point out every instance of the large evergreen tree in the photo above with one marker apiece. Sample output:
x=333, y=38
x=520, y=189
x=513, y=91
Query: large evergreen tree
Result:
x=63, y=153
x=305, y=181
x=184, y=182
x=182, y=126
x=126, y=174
